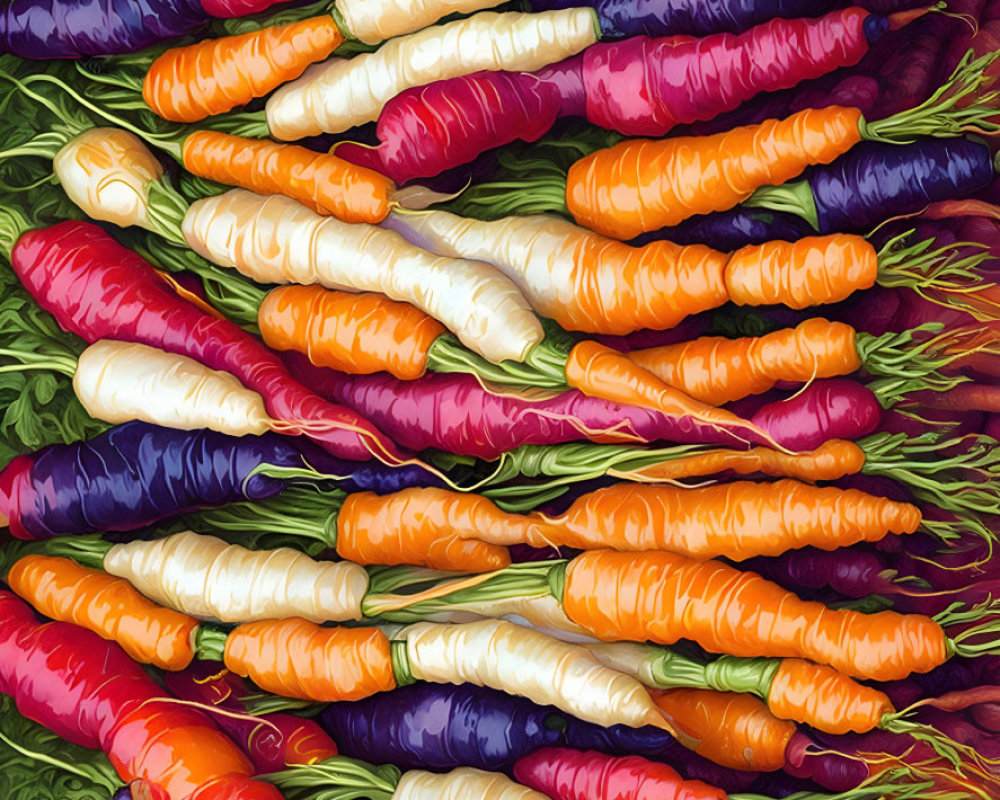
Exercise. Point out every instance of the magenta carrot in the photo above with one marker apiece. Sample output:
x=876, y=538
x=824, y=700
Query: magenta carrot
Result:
x=98, y=289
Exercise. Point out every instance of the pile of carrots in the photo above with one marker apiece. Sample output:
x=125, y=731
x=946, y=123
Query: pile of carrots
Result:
x=616, y=416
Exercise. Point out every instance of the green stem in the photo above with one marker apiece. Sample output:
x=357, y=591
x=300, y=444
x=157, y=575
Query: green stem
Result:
x=902, y=364
x=237, y=26
x=336, y=778
x=518, y=580
x=919, y=267
x=496, y=199
x=970, y=642
x=265, y=703
x=171, y=143
x=210, y=643
x=87, y=550
x=166, y=211
x=13, y=225
x=569, y=463
x=295, y=513
x=543, y=368
x=795, y=197
x=401, y=669
x=64, y=364
x=939, y=115
x=923, y=464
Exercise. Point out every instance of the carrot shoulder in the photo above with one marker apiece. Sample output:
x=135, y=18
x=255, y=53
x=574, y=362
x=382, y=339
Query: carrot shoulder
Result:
x=187, y=84
x=355, y=333
x=321, y=181
x=296, y=658
x=110, y=607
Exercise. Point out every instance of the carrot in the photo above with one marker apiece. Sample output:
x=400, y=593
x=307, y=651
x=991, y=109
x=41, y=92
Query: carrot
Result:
x=426, y=526
x=599, y=371
x=656, y=183
x=830, y=461
x=734, y=730
x=187, y=84
x=320, y=181
x=61, y=589
x=296, y=658
x=665, y=597
x=355, y=333
x=587, y=282
x=737, y=520
x=825, y=699
x=717, y=370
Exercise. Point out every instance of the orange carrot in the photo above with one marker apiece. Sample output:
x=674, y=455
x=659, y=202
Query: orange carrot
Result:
x=642, y=185
x=717, y=370
x=296, y=658
x=734, y=730
x=815, y=270
x=833, y=459
x=355, y=333
x=323, y=182
x=664, y=597
x=737, y=520
x=426, y=526
x=187, y=84
x=820, y=696
x=110, y=607
x=599, y=371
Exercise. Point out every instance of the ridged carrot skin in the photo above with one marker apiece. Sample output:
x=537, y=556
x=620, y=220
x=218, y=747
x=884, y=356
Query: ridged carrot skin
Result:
x=187, y=84
x=817, y=695
x=61, y=589
x=736, y=520
x=296, y=658
x=599, y=371
x=588, y=282
x=814, y=270
x=664, y=597
x=355, y=333
x=424, y=526
x=717, y=370
x=321, y=181
x=830, y=461
x=734, y=730
x=642, y=185
x=565, y=774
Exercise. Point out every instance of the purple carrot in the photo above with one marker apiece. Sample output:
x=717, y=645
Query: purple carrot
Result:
x=638, y=86
x=136, y=474
x=45, y=29
x=866, y=186
x=440, y=727
x=272, y=741
x=853, y=572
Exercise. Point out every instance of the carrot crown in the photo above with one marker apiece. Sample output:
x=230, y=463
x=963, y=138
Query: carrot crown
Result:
x=921, y=268
x=421, y=593
x=543, y=368
x=210, y=643
x=903, y=363
x=981, y=637
x=307, y=513
x=337, y=778
x=940, y=115
x=794, y=197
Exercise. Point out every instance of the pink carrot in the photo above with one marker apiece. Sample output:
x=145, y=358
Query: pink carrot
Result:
x=98, y=289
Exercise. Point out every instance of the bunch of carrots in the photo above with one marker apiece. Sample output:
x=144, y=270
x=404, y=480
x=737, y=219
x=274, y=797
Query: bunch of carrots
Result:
x=616, y=416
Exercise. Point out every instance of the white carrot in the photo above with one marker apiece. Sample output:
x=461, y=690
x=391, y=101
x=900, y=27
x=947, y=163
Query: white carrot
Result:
x=107, y=172
x=207, y=578
x=582, y=280
x=277, y=240
x=341, y=93
x=373, y=21
x=464, y=783
x=545, y=670
x=123, y=381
